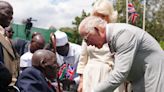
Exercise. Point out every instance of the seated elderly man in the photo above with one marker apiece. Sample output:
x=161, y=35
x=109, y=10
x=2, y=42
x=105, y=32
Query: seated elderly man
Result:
x=36, y=78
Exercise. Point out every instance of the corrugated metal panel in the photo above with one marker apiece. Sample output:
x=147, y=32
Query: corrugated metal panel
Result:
x=20, y=32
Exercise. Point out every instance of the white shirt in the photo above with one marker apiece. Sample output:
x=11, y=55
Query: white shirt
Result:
x=73, y=55
x=25, y=59
x=72, y=58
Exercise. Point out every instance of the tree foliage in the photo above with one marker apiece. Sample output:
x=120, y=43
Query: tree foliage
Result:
x=73, y=32
x=154, y=18
x=70, y=32
x=76, y=23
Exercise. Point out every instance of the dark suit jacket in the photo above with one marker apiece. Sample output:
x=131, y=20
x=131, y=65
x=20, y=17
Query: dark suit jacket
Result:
x=21, y=46
x=32, y=80
x=5, y=78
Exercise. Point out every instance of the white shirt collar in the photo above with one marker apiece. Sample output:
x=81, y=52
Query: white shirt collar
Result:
x=109, y=31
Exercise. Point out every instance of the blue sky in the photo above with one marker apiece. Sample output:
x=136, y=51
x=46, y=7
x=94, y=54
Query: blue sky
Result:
x=57, y=13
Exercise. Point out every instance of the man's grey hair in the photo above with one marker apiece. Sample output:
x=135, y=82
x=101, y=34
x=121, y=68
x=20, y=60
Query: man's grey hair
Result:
x=90, y=22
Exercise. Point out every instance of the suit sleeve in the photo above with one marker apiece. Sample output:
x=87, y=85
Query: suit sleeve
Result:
x=125, y=45
x=83, y=58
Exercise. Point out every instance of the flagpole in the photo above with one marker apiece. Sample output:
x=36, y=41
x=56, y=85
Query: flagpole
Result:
x=144, y=9
x=126, y=11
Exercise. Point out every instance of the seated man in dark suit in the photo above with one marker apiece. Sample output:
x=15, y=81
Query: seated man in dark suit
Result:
x=37, y=78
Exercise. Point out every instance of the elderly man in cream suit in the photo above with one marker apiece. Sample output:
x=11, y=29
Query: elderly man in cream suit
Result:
x=138, y=56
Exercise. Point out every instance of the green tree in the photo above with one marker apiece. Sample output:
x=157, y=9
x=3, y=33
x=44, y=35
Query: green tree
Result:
x=76, y=23
x=121, y=9
x=154, y=21
x=73, y=34
x=70, y=32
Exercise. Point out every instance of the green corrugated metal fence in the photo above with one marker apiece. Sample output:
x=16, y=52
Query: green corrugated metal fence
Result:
x=20, y=32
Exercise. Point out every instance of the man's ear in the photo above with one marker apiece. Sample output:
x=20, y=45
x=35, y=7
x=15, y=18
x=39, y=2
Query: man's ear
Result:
x=101, y=30
x=42, y=62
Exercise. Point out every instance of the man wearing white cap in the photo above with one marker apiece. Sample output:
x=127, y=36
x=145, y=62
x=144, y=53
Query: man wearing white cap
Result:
x=67, y=53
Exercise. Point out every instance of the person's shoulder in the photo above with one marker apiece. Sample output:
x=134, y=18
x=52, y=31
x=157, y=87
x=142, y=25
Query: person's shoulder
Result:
x=19, y=42
x=74, y=45
x=29, y=75
x=31, y=71
x=76, y=48
x=26, y=55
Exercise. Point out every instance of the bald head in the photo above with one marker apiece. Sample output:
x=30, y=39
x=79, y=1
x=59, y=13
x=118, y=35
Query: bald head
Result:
x=38, y=38
x=6, y=13
x=43, y=58
x=35, y=33
x=45, y=61
x=37, y=43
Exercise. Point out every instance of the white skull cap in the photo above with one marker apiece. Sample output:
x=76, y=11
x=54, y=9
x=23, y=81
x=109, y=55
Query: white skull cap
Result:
x=61, y=38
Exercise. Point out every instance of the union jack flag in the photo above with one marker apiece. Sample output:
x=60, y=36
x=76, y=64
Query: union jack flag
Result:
x=133, y=17
x=131, y=8
x=132, y=12
x=70, y=72
x=66, y=71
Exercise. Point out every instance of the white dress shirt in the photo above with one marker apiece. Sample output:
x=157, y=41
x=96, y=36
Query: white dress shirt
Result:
x=25, y=59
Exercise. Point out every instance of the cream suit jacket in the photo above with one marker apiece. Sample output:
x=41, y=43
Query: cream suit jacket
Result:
x=10, y=57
